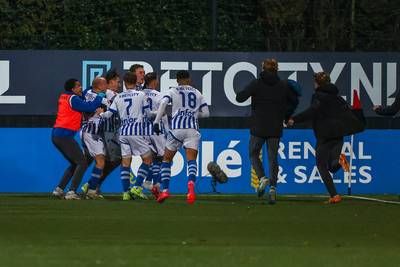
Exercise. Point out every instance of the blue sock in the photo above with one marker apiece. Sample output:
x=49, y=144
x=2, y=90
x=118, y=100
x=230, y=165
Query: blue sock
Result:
x=142, y=174
x=125, y=178
x=156, y=172
x=149, y=177
x=94, y=181
x=192, y=170
x=165, y=174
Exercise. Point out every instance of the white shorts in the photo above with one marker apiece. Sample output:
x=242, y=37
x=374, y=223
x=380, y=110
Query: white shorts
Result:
x=113, y=148
x=158, y=144
x=134, y=145
x=93, y=143
x=188, y=138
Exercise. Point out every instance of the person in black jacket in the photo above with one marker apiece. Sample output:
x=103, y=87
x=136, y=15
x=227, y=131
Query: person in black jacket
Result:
x=271, y=98
x=332, y=119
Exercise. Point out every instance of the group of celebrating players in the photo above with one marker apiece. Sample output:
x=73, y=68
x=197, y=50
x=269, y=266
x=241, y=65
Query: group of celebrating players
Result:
x=114, y=126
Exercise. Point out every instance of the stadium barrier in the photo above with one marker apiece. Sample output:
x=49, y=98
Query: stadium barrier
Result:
x=30, y=163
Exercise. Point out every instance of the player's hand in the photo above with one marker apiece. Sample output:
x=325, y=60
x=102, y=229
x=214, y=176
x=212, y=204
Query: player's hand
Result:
x=156, y=128
x=376, y=107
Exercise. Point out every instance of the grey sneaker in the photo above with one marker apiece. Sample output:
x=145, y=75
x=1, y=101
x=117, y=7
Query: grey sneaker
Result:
x=58, y=192
x=272, y=195
x=261, y=186
x=148, y=185
x=71, y=195
x=92, y=194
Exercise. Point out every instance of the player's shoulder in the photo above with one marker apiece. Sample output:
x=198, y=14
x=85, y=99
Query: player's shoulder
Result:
x=151, y=92
x=110, y=94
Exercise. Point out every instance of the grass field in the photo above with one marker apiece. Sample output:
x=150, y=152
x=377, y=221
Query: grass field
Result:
x=217, y=231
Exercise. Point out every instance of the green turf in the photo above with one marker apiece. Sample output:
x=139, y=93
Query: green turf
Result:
x=216, y=231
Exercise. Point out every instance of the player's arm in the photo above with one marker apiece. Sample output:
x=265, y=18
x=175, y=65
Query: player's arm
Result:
x=82, y=105
x=160, y=113
x=146, y=107
x=161, y=108
x=111, y=111
x=390, y=110
x=247, y=92
x=204, y=112
x=203, y=109
x=310, y=112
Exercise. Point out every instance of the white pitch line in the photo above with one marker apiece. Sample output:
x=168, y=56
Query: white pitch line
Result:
x=374, y=199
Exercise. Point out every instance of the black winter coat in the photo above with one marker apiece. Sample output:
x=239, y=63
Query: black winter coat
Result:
x=330, y=114
x=270, y=101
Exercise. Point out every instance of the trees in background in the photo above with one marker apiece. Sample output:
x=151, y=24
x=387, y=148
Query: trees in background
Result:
x=242, y=25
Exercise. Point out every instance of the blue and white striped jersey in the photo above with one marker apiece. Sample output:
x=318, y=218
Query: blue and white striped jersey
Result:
x=153, y=102
x=131, y=107
x=91, y=121
x=139, y=87
x=186, y=102
x=110, y=125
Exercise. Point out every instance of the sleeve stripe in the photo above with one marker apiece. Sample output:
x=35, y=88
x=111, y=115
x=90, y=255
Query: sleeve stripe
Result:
x=113, y=110
x=70, y=100
x=203, y=105
x=167, y=96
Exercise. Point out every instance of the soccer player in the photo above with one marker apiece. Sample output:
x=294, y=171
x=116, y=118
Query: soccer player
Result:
x=187, y=106
x=139, y=72
x=109, y=131
x=92, y=139
x=158, y=141
x=131, y=107
x=68, y=122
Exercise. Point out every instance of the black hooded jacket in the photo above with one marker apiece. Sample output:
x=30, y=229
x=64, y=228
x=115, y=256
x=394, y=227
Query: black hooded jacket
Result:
x=330, y=114
x=270, y=101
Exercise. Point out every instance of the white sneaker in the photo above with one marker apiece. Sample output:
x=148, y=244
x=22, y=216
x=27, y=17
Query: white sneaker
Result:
x=58, y=192
x=92, y=194
x=71, y=195
x=148, y=185
x=261, y=186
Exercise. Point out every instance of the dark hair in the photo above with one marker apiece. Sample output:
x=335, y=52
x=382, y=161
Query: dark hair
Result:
x=182, y=74
x=130, y=78
x=149, y=77
x=111, y=75
x=69, y=84
x=322, y=78
x=134, y=67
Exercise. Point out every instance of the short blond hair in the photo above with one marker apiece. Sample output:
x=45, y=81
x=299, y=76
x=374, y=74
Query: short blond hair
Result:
x=270, y=64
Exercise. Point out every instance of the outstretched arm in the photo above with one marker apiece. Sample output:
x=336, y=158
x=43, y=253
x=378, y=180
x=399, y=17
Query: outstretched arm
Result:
x=390, y=110
x=82, y=105
x=310, y=112
x=247, y=92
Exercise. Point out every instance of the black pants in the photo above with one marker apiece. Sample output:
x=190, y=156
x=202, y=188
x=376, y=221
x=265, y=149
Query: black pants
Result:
x=73, y=153
x=327, y=157
x=255, y=146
